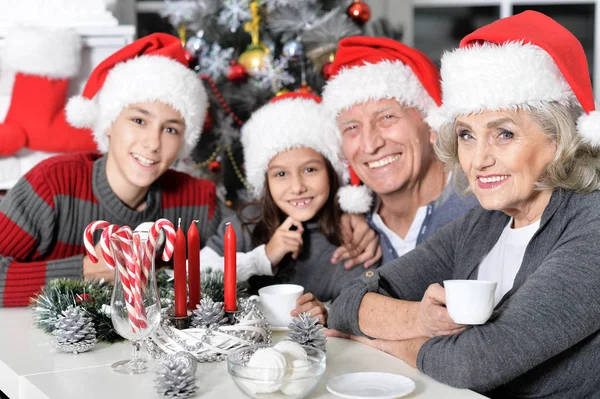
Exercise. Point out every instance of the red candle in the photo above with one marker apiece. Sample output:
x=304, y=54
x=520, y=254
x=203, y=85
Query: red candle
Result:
x=230, y=270
x=193, y=246
x=180, y=273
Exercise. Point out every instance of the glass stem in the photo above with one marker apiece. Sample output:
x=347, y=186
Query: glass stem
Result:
x=137, y=346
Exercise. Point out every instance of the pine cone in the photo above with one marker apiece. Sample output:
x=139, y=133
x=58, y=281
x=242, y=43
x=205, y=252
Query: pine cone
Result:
x=307, y=331
x=176, y=377
x=208, y=313
x=74, y=331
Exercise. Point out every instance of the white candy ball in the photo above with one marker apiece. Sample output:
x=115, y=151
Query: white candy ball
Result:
x=291, y=350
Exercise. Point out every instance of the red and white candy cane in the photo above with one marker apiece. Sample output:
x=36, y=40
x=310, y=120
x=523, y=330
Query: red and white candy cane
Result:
x=153, y=234
x=127, y=265
x=88, y=241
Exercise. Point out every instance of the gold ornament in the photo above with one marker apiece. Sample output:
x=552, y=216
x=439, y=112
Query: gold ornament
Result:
x=252, y=59
x=182, y=32
x=282, y=92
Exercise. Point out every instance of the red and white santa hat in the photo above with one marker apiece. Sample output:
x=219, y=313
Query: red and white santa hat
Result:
x=291, y=121
x=152, y=68
x=525, y=60
x=375, y=68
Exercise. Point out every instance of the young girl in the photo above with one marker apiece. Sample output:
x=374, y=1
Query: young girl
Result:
x=290, y=234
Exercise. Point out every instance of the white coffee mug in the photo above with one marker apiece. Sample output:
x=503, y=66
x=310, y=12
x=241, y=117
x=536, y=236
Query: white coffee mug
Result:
x=470, y=301
x=277, y=301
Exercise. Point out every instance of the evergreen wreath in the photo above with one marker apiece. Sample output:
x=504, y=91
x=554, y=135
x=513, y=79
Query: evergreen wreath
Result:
x=94, y=298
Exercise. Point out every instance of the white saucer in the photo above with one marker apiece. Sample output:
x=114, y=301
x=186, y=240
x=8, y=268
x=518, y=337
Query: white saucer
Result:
x=370, y=385
x=279, y=328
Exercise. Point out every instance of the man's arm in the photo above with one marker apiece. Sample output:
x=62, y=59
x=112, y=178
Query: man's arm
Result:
x=391, y=309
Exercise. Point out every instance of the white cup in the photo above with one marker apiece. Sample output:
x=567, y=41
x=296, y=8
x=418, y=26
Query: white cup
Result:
x=277, y=301
x=470, y=301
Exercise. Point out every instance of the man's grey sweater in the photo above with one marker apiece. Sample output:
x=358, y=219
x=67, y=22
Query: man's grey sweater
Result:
x=543, y=339
x=312, y=270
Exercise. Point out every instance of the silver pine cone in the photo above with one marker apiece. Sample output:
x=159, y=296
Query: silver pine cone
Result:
x=306, y=330
x=176, y=377
x=208, y=313
x=74, y=331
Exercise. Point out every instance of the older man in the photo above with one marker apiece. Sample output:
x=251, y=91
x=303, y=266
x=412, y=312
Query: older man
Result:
x=380, y=92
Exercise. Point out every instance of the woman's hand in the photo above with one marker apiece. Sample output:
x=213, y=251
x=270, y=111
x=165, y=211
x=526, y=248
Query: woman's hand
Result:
x=97, y=271
x=361, y=243
x=285, y=241
x=433, y=318
x=308, y=303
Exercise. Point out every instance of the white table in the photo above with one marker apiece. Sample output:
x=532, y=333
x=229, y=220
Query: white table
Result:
x=30, y=368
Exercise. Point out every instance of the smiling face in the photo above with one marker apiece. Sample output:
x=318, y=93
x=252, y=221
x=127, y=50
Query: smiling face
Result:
x=388, y=145
x=143, y=144
x=298, y=182
x=503, y=154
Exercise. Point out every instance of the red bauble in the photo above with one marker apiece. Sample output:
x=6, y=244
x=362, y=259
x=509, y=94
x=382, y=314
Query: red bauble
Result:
x=209, y=122
x=359, y=12
x=304, y=89
x=236, y=73
x=327, y=70
x=84, y=298
x=188, y=56
x=214, y=167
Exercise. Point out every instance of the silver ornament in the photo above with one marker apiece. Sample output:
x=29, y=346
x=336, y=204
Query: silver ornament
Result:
x=196, y=46
x=74, y=331
x=306, y=330
x=293, y=48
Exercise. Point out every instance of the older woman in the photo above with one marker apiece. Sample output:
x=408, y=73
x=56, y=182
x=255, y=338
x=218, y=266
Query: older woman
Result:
x=523, y=133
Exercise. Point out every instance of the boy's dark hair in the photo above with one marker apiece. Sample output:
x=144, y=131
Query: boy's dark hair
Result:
x=270, y=216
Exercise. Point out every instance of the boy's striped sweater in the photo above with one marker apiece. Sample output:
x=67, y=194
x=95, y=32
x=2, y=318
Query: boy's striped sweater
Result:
x=43, y=217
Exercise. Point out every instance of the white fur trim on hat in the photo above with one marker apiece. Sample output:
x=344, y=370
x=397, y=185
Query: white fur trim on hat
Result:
x=284, y=125
x=492, y=77
x=588, y=125
x=384, y=80
x=143, y=79
x=53, y=53
x=355, y=199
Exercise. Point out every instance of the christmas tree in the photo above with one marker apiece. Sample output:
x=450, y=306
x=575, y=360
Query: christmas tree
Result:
x=247, y=52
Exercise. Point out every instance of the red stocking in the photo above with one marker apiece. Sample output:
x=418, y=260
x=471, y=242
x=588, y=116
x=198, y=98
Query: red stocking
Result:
x=44, y=61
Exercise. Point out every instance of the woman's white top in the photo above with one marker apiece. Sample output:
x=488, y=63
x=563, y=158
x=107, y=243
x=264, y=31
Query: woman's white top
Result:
x=503, y=262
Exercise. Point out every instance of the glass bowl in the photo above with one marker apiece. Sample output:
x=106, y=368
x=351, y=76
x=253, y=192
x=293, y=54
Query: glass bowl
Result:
x=267, y=383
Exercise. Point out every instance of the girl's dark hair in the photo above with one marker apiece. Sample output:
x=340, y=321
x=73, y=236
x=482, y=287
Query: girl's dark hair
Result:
x=270, y=216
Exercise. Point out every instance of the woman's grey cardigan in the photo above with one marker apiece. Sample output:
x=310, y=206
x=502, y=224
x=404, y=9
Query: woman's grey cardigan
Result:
x=543, y=339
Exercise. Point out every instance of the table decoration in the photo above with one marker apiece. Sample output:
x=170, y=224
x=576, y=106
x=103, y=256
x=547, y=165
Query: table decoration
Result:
x=213, y=341
x=306, y=330
x=176, y=376
x=74, y=331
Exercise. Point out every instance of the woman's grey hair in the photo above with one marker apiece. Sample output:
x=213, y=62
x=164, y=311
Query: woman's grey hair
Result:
x=575, y=166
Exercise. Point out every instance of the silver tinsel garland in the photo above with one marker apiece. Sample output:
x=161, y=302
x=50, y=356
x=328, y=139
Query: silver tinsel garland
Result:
x=74, y=331
x=176, y=376
x=307, y=331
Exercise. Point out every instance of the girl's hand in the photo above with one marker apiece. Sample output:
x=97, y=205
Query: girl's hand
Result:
x=308, y=303
x=97, y=271
x=361, y=243
x=285, y=241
